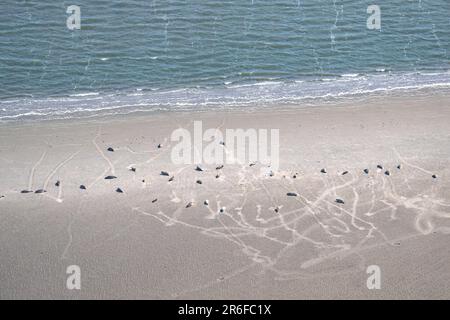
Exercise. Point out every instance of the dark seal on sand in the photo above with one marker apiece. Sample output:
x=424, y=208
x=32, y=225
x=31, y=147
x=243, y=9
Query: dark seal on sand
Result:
x=199, y=181
x=118, y=190
x=133, y=169
x=154, y=200
x=340, y=201
x=198, y=169
x=26, y=191
x=366, y=171
x=219, y=167
x=171, y=178
x=434, y=176
x=399, y=166
x=40, y=191
x=323, y=170
x=110, y=149
x=58, y=183
x=291, y=194
x=164, y=173
x=380, y=166
x=189, y=205
x=344, y=173
x=110, y=177
x=387, y=173
x=83, y=187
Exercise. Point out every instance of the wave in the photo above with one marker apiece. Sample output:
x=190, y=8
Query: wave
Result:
x=86, y=94
x=227, y=96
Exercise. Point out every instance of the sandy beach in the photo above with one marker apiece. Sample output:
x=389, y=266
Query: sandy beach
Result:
x=158, y=239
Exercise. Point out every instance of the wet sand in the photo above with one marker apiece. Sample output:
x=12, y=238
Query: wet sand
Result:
x=157, y=239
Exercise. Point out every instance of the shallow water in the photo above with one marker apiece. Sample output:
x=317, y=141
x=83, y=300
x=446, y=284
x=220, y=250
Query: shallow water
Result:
x=163, y=55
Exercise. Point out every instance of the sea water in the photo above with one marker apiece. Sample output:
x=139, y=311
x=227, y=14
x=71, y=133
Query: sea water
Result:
x=146, y=56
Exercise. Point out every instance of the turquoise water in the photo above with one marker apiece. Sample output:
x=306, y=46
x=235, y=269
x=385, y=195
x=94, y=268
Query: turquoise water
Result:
x=162, y=55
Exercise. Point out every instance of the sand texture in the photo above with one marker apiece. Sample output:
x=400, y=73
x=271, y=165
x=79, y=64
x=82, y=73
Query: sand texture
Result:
x=159, y=240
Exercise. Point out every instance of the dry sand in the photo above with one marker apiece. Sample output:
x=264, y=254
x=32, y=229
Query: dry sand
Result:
x=129, y=246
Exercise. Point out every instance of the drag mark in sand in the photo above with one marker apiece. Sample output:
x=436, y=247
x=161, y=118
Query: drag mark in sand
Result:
x=410, y=164
x=33, y=169
x=54, y=171
x=69, y=233
x=268, y=227
x=102, y=154
x=291, y=225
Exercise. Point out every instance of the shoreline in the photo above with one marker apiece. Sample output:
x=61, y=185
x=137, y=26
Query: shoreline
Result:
x=145, y=107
